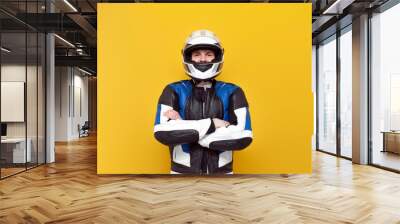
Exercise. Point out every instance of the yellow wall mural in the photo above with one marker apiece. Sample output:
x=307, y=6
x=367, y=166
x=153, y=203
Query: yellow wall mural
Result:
x=267, y=53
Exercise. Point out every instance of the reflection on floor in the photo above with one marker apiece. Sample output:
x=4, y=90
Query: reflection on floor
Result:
x=70, y=191
x=346, y=152
x=13, y=169
x=386, y=159
x=10, y=171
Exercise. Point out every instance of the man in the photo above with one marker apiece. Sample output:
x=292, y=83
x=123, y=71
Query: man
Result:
x=202, y=120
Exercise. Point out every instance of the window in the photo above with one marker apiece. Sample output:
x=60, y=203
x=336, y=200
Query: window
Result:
x=385, y=88
x=327, y=95
x=346, y=93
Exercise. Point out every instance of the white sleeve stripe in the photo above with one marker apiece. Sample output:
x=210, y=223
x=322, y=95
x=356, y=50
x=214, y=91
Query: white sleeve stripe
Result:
x=231, y=132
x=164, y=119
x=241, y=117
x=221, y=136
x=200, y=126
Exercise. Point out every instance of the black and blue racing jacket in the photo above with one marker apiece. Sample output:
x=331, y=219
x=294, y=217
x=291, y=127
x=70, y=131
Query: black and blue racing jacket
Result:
x=196, y=146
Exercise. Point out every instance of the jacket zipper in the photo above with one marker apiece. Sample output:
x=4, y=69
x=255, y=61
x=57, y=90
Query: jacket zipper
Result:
x=205, y=153
x=203, y=111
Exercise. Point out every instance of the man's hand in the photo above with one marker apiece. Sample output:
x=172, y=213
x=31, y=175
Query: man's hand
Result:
x=172, y=114
x=220, y=123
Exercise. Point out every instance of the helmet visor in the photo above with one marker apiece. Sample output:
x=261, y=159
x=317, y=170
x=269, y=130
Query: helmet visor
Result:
x=189, y=49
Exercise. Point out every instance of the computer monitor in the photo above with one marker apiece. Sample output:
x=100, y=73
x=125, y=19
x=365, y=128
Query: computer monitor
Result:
x=3, y=129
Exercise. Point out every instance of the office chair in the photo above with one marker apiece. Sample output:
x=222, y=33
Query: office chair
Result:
x=84, y=130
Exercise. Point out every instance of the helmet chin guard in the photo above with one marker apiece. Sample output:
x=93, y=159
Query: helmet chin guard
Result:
x=202, y=39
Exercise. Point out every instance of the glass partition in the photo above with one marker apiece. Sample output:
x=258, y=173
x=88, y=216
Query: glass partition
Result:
x=22, y=77
x=14, y=153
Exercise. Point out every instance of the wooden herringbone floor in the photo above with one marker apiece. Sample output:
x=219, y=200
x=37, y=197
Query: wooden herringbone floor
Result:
x=69, y=191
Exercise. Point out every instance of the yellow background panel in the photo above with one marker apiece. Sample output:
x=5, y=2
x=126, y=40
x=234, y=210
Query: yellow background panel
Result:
x=267, y=53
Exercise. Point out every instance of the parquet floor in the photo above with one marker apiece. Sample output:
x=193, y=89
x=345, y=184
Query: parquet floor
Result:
x=10, y=171
x=69, y=191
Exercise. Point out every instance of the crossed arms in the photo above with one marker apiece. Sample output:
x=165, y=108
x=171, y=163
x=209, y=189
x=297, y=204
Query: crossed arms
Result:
x=170, y=129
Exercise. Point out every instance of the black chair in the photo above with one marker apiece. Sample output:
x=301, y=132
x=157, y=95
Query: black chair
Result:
x=84, y=130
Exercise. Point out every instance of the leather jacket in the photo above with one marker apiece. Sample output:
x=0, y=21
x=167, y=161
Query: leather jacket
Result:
x=196, y=146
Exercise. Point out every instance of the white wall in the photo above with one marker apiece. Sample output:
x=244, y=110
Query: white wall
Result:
x=62, y=78
x=81, y=102
x=12, y=101
x=71, y=102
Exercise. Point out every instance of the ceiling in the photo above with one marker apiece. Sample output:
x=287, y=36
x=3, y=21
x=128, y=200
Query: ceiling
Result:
x=76, y=22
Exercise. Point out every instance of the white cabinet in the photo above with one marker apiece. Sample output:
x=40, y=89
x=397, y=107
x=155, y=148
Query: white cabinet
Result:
x=16, y=147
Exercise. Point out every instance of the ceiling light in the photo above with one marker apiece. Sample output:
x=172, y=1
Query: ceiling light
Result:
x=337, y=7
x=65, y=41
x=70, y=5
x=84, y=71
x=5, y=50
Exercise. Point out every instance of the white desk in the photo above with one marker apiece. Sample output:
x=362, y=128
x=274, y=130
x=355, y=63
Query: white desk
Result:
x=18, y=149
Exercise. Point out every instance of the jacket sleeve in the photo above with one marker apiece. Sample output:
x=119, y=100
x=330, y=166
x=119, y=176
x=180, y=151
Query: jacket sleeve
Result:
x=174, y=132
x=236, y=136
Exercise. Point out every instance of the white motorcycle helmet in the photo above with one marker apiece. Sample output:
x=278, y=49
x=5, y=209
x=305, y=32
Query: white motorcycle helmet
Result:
x=203, y=71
